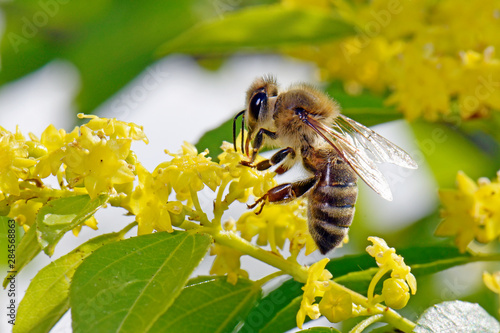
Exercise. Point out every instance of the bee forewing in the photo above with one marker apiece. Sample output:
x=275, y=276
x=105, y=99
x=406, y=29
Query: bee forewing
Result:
x=355, y=155
x=383, y=150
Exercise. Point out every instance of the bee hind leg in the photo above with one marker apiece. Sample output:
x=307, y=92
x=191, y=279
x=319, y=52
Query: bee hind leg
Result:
x=284, y=193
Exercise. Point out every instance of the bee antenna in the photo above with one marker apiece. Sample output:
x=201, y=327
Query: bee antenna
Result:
x=241, y=113
x=243, y=133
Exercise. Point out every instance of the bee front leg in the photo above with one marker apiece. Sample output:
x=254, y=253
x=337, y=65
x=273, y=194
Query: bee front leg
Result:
x=259, y=141
x=284, y=193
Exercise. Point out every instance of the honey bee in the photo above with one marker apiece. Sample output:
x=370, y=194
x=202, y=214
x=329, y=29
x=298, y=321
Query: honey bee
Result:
x=307, y=125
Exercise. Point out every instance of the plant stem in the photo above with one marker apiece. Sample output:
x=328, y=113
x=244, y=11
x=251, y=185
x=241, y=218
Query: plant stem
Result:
x=374, y=281
x=219, y=207
x=196, y=202
x=365, y=323
x=300, y=274
x=236, y=242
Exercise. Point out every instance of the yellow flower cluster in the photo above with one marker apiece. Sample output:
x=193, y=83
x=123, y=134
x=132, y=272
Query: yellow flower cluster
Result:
x=96, y=156
x=395, y=290
x=14, y=161
x=92, y=159
x=316, y=286
x=337, y=304
x=149, y=202
x=435, y=57
x=472, y=211
x=277, y=223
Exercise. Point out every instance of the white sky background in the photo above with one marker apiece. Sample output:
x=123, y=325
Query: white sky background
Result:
x=176, y=100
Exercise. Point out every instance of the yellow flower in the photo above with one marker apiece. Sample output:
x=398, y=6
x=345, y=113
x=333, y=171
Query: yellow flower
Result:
x=90, y=222
x=24, y=212
x=277, y=223
x=472, y=211
x=189, y=171
x=98, y=163
x=54, y=140
x=492, y=281
x=387, y=260
x=149, y=203
x=246, y=180
x=115, y=128
x=336, y=305
x=316, y=286
x=14, y=161
x=227, y=260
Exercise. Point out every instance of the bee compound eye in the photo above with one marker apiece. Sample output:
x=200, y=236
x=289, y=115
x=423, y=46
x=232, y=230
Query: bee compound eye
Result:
x=257, y=101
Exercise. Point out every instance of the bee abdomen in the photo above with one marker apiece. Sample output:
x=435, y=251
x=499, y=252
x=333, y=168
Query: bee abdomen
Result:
x=330, y=213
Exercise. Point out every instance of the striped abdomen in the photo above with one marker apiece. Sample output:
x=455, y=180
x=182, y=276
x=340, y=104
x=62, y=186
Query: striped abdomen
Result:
x=331, y=204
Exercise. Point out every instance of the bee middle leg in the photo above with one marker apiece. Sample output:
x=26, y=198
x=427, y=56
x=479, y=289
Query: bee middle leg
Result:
x=284, y=193
x=275, y=159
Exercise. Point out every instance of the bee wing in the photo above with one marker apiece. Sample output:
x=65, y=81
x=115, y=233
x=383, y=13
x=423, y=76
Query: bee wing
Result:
x=361, y=147
x=383, y=150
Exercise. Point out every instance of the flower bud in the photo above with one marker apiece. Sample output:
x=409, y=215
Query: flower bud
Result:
x=396, y=293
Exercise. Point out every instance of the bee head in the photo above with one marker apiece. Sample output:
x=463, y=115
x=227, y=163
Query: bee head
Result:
x=260, y=100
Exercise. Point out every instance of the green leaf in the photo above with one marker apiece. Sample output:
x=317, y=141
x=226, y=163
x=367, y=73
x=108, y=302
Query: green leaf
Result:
x=10, y=234
x=447, y=151
x=127, y=286
x=62, y=215
x=281, y=321
x=269, y=306
x=213, y=139
x=92, y=35
x=27, y=249
x=260, y=27
x=355, y=272
x=321, y=330
x=209, y=304
x=47, y=297
x=456, y=316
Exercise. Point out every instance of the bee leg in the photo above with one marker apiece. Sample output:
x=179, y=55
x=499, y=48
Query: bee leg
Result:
x=259, y=140
x=275, y=159
x=261, y=199
x=285, y=192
